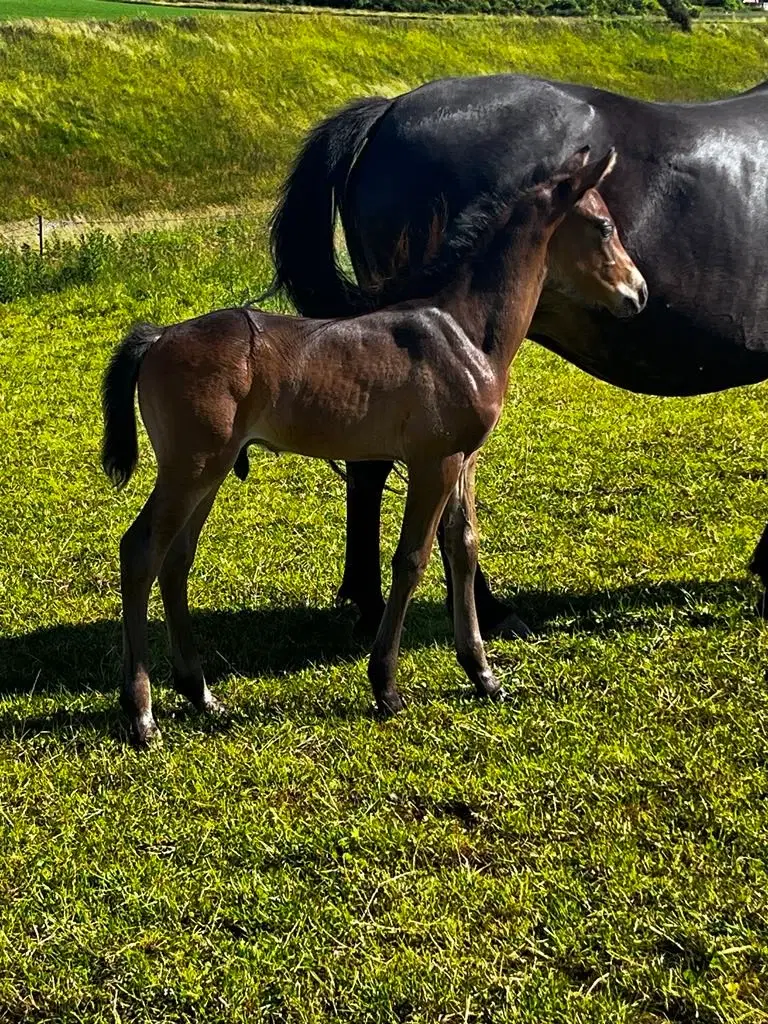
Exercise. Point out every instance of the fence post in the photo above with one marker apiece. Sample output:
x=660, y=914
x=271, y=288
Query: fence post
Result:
x=40, y=232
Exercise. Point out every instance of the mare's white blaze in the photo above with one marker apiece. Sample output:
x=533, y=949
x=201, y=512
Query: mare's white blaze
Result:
x=630, y=292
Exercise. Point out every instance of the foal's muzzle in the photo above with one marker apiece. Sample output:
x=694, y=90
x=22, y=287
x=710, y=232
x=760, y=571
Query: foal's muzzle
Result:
x=634, y=298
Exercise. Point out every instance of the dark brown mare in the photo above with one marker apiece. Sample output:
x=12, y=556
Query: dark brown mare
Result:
x=691, y=204
x=422, y=382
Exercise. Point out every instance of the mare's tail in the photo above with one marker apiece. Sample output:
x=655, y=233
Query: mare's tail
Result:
x=301, y=234
x=120, y=447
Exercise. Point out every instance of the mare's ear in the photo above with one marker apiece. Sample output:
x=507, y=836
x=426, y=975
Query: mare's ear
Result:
x=577, y=177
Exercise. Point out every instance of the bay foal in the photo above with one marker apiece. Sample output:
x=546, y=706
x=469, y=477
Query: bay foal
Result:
x=422, y=382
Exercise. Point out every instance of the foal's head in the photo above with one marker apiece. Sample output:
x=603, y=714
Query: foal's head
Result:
x=587, y=261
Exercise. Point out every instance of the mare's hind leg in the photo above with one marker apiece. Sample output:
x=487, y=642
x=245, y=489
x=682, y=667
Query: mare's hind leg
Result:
x=142, y=551
x=362, y=564
x=429, y=485
x=460, y=527
x=188, y=675
x=759, y=566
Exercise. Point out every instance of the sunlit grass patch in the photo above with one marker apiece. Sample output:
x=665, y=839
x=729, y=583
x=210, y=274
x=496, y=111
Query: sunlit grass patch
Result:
x=105, y=117
x=591, y=851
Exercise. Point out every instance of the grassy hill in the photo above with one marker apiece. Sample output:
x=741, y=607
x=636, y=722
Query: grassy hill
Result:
x=98, y=117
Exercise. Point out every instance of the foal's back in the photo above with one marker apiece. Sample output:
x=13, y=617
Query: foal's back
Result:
x=392, y=384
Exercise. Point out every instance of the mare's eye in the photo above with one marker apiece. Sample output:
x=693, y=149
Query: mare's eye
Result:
x=606, y=228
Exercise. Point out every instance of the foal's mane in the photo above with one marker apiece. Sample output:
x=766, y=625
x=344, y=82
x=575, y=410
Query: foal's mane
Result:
x=467, y=237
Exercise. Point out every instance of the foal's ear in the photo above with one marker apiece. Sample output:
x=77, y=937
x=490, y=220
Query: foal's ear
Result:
x=574, y=163
x=595, y=174
x=576, y=176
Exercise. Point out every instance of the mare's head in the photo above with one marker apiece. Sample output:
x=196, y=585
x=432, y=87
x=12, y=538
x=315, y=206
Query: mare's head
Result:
x=587, y=261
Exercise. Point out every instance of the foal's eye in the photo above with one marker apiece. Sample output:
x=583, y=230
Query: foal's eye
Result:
x=606, y=228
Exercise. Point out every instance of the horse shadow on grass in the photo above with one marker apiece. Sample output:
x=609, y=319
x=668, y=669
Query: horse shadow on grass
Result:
x=75, y=659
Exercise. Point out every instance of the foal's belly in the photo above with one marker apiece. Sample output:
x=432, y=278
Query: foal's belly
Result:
x=359, y=439
x=407, y=424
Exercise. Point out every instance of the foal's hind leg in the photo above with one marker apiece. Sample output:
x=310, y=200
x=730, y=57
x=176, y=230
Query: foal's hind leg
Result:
x=460, y=526
x=188, y=675
x=429, y=485
x=362, y=564
x=142, y=551
x=495, y=617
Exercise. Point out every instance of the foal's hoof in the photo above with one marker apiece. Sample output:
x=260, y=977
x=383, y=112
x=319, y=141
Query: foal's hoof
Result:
x=511, y=627
x=389, y=703
x=491, y=689
x=145, y=733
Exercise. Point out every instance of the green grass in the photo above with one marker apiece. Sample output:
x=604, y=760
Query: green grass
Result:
x=592, y=851
x=78, y=9
x=116, y=117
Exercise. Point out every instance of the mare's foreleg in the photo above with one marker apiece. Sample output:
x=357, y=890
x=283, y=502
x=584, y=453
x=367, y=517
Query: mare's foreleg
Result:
x=188, y=677
x=429, y=486
x=759, y=566
x=142, y=551
x=361, y=583
x=459, y=524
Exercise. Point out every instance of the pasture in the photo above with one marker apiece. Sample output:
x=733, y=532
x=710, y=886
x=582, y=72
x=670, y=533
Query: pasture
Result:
x=593, y=850
x=78, y=9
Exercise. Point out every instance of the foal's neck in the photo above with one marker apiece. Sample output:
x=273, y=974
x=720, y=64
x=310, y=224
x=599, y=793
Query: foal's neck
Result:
x=494, y=299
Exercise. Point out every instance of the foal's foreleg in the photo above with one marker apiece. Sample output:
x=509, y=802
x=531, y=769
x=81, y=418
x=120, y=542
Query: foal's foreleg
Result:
x=429, y=485
x=495, y=617
x=188, y=675
x=459, y=523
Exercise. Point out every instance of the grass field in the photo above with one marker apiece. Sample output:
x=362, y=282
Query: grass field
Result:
x=100, y=9
x=105, y=118
x=593, y=850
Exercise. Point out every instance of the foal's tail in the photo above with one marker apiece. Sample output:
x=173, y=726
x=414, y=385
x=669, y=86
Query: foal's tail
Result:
x=120, y=447
x=301, y=235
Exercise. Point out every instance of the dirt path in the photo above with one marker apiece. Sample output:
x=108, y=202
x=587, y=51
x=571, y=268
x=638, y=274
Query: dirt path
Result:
x=26, y=232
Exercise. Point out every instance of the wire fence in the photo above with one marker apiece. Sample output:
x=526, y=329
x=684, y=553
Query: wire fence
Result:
x=35, y=232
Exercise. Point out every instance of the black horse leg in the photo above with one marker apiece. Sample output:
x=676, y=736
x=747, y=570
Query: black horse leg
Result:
x=494, y=617
x=362, y=566
x=759, y=566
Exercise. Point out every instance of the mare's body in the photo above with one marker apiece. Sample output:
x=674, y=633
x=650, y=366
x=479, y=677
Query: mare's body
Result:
x=691, y=203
